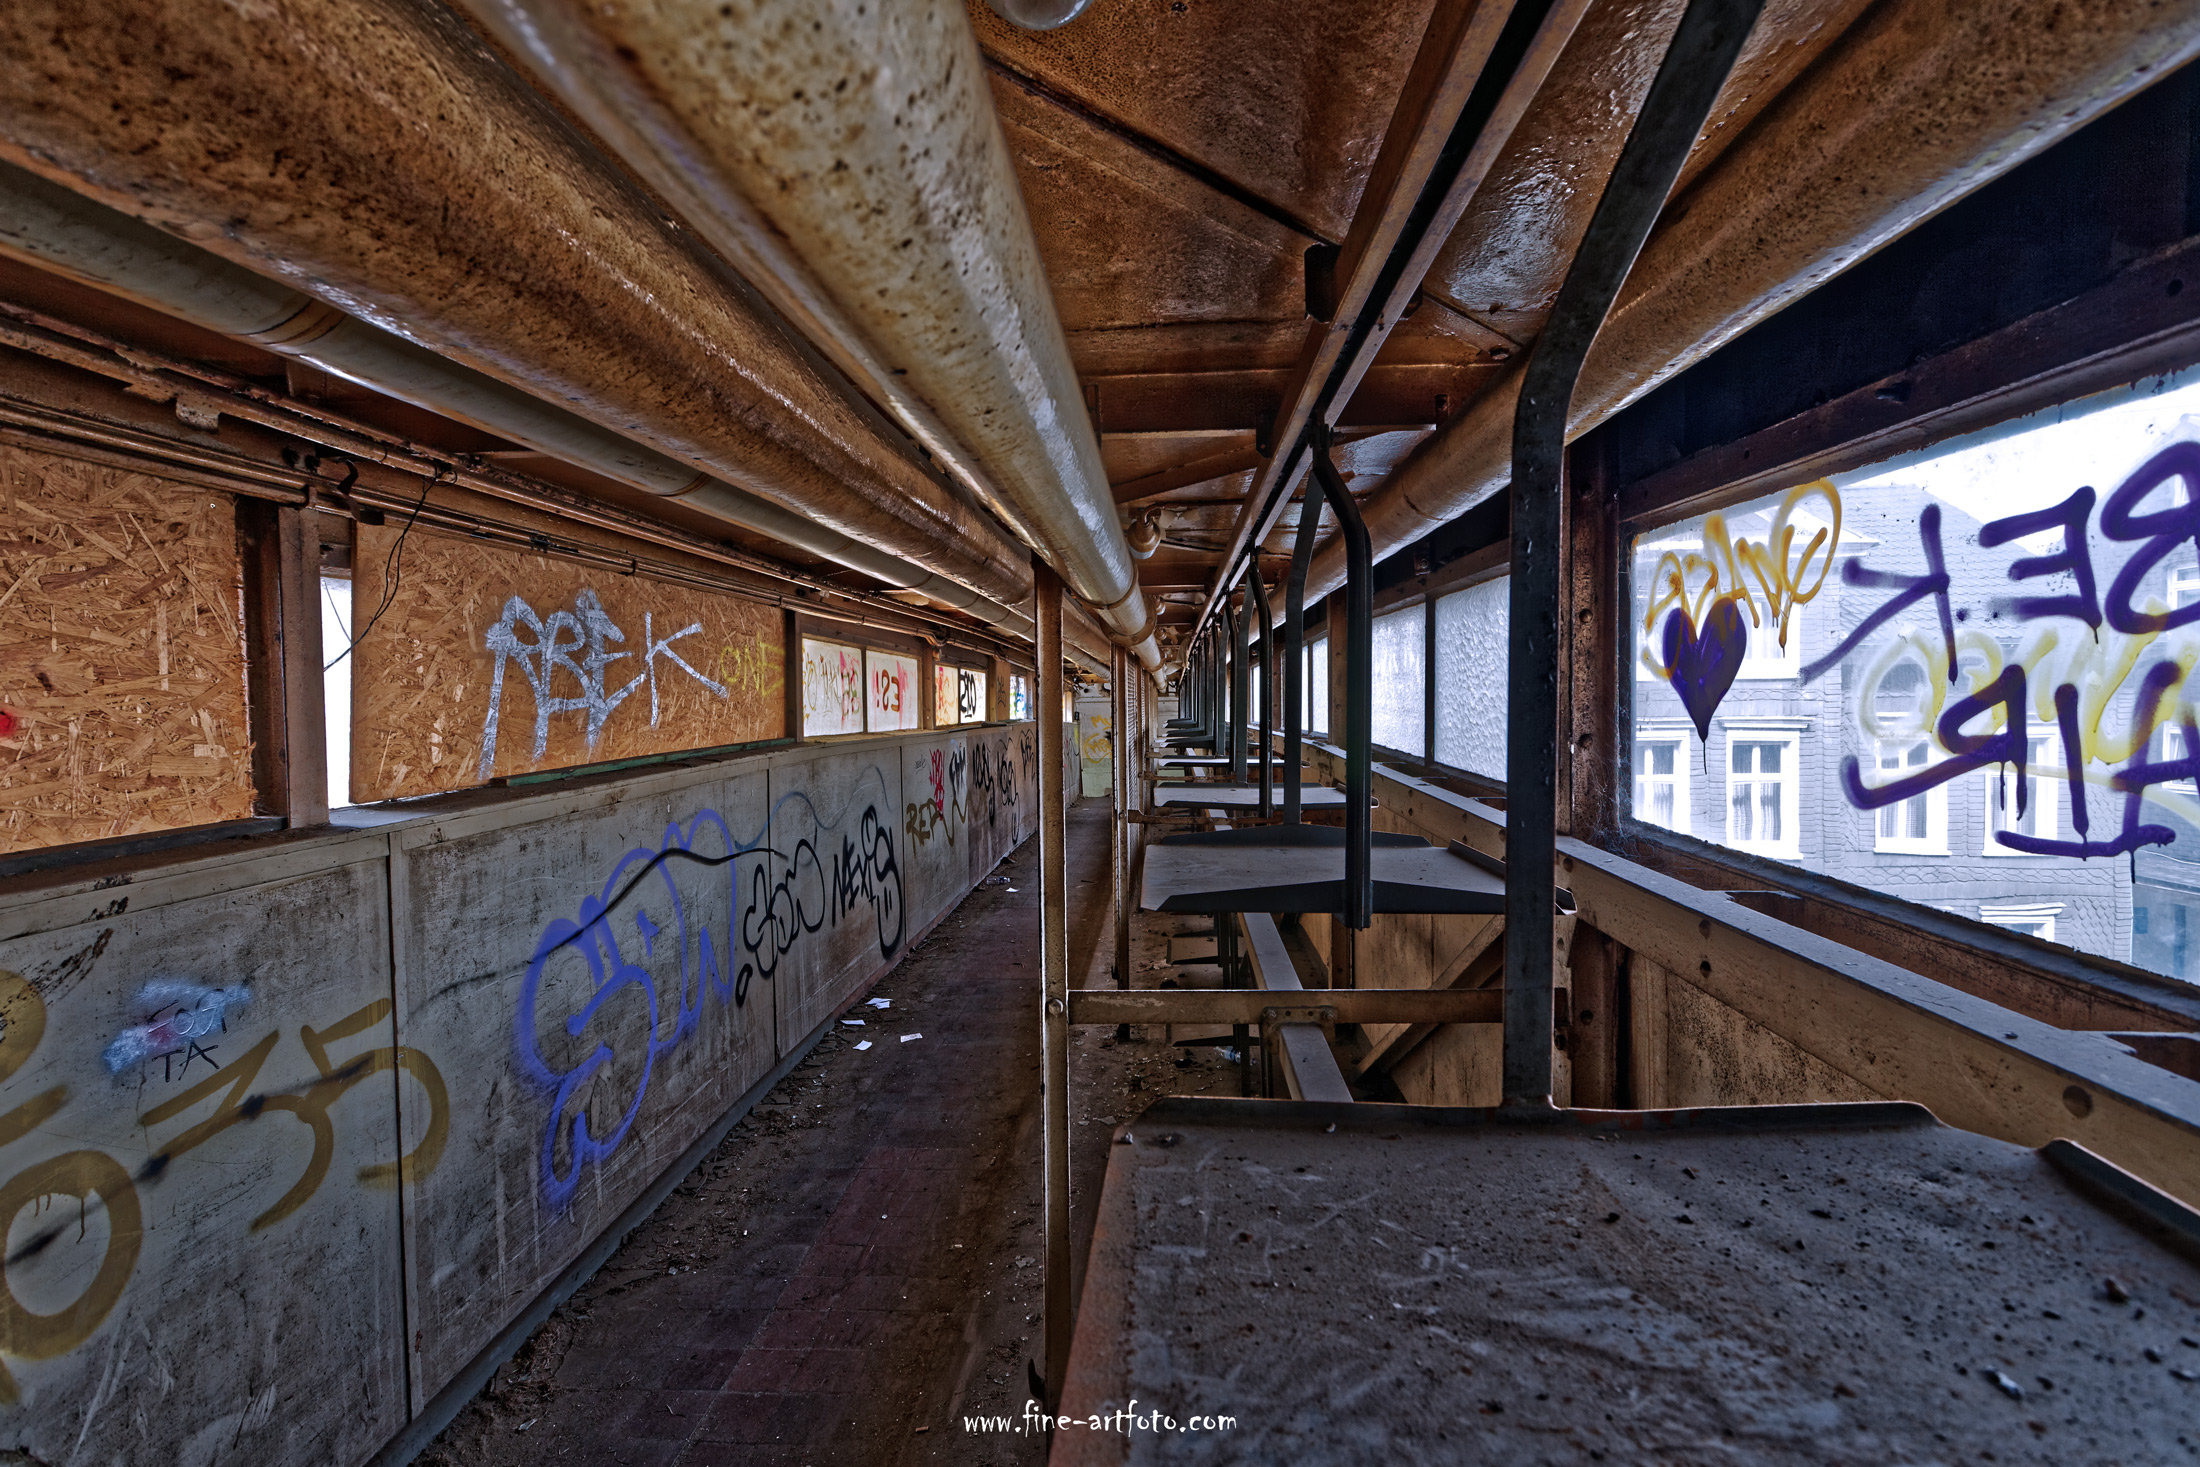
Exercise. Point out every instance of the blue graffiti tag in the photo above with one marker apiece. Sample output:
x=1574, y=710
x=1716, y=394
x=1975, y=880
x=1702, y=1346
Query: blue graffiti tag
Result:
x=791, y=893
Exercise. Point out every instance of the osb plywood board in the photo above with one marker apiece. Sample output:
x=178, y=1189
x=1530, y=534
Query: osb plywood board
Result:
x=489, y=662
x=122, y=669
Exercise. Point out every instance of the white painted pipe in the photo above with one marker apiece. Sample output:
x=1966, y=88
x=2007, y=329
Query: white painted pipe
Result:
x=844, y=155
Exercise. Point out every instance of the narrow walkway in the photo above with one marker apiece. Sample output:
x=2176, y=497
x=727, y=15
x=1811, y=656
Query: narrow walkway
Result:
x=857, y=1267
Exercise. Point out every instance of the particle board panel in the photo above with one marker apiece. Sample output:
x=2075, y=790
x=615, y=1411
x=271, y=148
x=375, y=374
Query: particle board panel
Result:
x=600, y=974
x=122, y=663
x=198, y=1163
x=485, y=662
x=830, y=902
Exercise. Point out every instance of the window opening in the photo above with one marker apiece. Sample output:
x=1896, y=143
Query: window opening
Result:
x=1314, y=714
x=1964, y=660
x=336, y=687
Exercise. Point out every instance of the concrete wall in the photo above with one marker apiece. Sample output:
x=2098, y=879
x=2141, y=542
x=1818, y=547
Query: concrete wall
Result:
x=290, y=1132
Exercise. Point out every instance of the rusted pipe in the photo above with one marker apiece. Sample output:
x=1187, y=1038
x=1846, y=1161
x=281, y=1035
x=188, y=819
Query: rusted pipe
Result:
x=1922, y=103
x=377, y=156
x=846, y=158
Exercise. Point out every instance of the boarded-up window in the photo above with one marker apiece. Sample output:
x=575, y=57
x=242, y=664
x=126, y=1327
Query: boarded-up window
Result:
x=490, y=662
x=959, y=694
x=832, y=688
x=891, y=681
x=122, y=683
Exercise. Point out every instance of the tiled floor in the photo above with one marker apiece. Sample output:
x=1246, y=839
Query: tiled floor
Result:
x=853, y=1268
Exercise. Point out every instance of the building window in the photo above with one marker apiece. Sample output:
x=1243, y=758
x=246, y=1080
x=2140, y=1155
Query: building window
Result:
x=1661, y=780
x=1767, y=659
x=1761, y=793
x=2033, y=919
x=2042, y=815
x=1917, y=826
x=1019, y=697
x=2184, y=585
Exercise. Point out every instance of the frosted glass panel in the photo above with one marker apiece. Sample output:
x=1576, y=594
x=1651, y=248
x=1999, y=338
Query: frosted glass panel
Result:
x=832, y=688
x=1470, y=677
x=1401, y=683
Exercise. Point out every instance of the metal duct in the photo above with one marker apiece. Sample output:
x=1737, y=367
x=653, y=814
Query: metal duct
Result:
x=50, y=227
x=847, y=159
x=1922, y=103
x=379, y=157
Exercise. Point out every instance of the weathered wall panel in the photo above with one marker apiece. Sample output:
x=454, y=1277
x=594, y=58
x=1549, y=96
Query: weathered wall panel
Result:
x=192, y=1277
x=1714, y=1055
x=487, y=662
x=831, y=898
x=532, y=1011
x=935, y=826
x=602, y=1002
x=122, y=688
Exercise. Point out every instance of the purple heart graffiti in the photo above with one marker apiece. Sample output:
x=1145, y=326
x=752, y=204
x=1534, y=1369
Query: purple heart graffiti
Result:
x=1702, y=667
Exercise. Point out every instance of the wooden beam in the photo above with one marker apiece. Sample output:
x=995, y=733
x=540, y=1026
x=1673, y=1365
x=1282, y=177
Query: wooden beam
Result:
x=1897, y=1033
x=1211, y=467
x=282, y=573
x=1390, y=398
x=1250, y=1006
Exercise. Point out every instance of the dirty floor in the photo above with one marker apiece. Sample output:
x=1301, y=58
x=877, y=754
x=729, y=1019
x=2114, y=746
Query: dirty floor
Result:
x=855, y=1270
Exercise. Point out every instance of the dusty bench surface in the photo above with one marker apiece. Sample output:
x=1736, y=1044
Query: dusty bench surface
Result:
x=1788, y=1284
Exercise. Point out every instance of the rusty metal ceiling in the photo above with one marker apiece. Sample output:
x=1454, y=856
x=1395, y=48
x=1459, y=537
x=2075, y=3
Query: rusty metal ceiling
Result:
x=1179, y=157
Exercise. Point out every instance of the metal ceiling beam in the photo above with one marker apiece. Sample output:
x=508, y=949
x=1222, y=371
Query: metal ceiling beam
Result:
x=1478, y=68
x=1922, y=103
x=1695, y=67
x=1211, y=467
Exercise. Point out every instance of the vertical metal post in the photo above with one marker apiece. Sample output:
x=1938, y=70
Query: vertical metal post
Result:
x=1239, y=693
x=1267, y=691
x=1359, y=694
x=1120, y=852
x=1294, y=652
x=1053, y=977
x=1696, y=64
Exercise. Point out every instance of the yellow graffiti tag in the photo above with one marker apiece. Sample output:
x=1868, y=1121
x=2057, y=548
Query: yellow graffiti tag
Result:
x=80, y=1175
x=85, y=1175
x=1741, y=570
x=758, y=668
x=312, y=1107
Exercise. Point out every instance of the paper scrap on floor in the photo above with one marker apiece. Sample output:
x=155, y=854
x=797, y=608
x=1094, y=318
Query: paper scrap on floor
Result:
x=880, y=1003
x=907, y=1037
